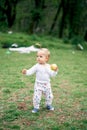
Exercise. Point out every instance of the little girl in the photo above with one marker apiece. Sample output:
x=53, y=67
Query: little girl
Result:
x=43, y=73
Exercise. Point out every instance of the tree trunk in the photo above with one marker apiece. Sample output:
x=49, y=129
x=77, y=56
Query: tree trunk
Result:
x=85, y=37
x=55, y=18
x=75, y=17
x=65, y=5
x=10, y=12
x=36, y=15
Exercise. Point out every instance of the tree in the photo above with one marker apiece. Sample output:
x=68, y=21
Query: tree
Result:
x=73, y=17
x=69, y=20
x=36, y=15
x=8, y=10
x=65, y=6
x=56, y=16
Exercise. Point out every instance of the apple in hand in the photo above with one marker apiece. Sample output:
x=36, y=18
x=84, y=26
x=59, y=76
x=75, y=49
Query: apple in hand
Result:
x=54, y=67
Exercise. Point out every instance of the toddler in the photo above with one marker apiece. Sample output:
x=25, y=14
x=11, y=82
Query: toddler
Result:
x=43, y=73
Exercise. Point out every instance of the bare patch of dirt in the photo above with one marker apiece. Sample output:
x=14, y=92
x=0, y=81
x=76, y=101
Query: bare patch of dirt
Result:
x=22, y=106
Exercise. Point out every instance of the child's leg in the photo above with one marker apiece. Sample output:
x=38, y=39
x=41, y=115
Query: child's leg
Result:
x=48, y=95
x=37, y=97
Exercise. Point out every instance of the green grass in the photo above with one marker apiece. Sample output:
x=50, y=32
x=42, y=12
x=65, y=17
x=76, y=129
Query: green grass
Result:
x=69, y=88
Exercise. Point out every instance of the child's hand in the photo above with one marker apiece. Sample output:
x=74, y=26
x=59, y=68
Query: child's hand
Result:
x=24, y=71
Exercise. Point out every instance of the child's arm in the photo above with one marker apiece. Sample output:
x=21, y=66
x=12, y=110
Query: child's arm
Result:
x=30, y=71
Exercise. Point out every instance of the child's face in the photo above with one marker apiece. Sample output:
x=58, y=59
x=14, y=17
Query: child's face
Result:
x=41, y=57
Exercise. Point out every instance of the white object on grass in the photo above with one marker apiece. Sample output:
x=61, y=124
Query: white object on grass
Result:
x=24, y=49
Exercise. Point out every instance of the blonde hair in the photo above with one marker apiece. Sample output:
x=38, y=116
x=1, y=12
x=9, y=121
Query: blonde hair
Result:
x=46, y=52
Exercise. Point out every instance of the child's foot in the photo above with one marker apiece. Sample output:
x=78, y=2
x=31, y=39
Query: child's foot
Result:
x=35, y=110
x=50, y=108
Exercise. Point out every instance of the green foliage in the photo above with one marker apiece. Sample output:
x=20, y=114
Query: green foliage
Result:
x=37, y=14
x=37, y=17
x=76, y=40
x=66, y=40
x=8, y=39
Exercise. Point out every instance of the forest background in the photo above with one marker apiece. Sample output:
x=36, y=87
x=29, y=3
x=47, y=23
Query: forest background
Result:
x=65, y=19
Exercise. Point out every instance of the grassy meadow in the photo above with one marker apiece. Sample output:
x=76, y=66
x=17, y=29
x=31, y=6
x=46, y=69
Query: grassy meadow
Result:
x=69, y=87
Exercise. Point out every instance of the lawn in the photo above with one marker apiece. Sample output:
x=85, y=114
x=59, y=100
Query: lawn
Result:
x=69, y=90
